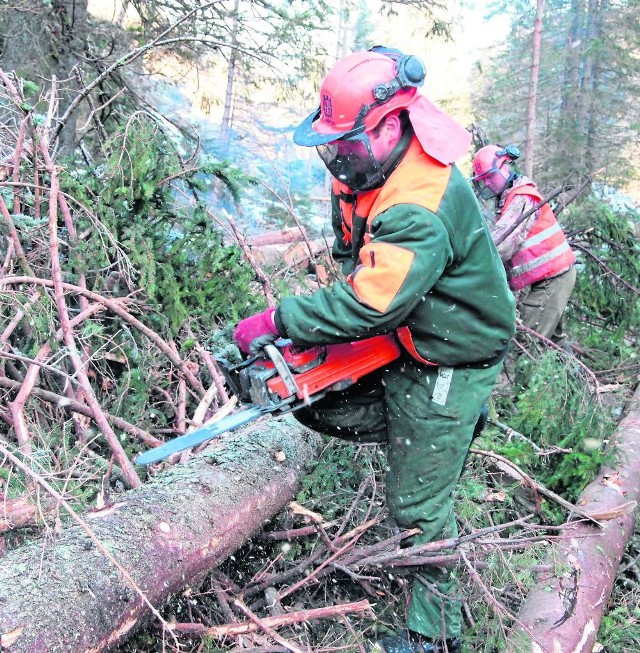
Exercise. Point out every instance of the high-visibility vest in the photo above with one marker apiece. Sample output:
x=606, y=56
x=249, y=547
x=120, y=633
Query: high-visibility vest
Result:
x=545, y=252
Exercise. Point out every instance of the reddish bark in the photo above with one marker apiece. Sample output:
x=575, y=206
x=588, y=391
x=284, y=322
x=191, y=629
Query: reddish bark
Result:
x=117, y=306
x=279, y=237
x=62, y=403
x=564, y=609
x=69, y=338
x=20, y=512
x=300, y=616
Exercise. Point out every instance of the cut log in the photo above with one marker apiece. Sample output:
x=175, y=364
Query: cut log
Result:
x=64, y=595
x=295, y=255
x=17, y=513
x=279, y=237
x=564, y=609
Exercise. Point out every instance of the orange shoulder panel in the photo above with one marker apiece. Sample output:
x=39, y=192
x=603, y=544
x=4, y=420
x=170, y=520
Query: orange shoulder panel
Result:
x=419, y=179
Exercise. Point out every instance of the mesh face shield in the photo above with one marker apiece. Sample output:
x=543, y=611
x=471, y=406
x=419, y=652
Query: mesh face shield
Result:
x=484, y=189
x=351, y=161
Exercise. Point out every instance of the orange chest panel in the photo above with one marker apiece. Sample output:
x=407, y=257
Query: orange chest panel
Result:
x=419, y=179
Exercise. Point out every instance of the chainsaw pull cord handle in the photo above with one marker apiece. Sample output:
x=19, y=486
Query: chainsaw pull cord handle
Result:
x=282, y=368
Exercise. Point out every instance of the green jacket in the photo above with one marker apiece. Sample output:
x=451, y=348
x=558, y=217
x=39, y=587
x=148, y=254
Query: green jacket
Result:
x=417, y=254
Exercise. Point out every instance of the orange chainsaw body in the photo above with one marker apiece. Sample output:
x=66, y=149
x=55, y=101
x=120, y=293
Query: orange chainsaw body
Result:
x=283, y=379
x=334, y=367
x=287, y=374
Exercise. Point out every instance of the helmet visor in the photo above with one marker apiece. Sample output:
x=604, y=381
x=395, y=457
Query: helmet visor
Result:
x=351, y=161
x=482, y=175
x=314, y=131
x=484, y=189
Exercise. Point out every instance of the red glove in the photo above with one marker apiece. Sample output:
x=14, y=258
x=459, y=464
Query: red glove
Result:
x=253, y=333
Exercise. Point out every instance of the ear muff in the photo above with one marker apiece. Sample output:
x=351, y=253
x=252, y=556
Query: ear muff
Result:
x=410, y=72
x=510, y=151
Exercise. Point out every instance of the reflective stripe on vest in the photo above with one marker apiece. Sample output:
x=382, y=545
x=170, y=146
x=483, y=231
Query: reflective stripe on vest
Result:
x=545, y=252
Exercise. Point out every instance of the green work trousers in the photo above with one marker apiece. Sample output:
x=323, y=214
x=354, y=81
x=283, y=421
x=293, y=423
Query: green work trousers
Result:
x=543, y=303
x=426, y=416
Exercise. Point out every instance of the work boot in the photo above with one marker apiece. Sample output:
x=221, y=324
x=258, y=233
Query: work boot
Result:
x=410, y=642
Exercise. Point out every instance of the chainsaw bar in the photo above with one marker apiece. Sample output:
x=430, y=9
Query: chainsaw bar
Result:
x=200, y=435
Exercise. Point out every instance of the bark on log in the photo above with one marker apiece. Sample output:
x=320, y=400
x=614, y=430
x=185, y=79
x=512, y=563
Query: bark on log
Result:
x=562, y=613
x=295, y=255
x=66, y=596
x=279, y=237
x=21, y=512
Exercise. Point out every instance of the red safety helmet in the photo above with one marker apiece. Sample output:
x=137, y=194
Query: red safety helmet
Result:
x=489, y=166
x=358, y=92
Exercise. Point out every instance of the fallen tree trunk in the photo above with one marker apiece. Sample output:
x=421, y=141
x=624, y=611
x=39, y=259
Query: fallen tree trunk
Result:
x=21, y=512
x=295, y=255
x=564, y=609
x=278, y=237
x=64, y=595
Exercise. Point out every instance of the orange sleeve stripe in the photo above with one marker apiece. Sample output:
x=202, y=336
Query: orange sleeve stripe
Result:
x=381, y=273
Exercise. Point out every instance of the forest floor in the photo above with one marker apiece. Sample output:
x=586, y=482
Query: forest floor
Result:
x=333, y=548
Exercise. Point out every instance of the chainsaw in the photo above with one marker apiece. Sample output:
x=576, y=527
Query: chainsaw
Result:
x=282, y=379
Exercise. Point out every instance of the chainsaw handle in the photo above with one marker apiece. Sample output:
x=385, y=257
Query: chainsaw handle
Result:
x=282, y=368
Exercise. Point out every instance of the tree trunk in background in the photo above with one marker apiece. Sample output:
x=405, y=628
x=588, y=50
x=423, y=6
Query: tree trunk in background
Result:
x=568, y=140
x=225, y=127
x=563, y=611
x=533, y=92
x=595, y=93
x=585, y=87
x=63, y=594
x=572, y=60
x=47, y=41
x=343, y=46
